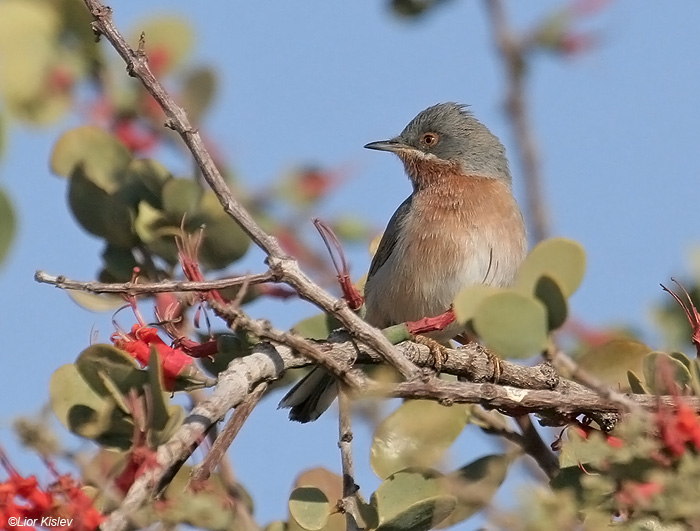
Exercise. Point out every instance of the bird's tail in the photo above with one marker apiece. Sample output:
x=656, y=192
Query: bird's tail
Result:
x=311, y=396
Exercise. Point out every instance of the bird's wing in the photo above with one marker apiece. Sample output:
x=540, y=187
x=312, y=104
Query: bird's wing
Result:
x=390, y=237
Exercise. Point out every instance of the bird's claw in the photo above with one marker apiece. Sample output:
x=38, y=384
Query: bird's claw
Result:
x=438, y=352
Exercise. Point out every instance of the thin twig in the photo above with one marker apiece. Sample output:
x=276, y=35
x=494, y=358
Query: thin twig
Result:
x=513, y=52
x=347, y=504
x=204, y=469
x=164, y=286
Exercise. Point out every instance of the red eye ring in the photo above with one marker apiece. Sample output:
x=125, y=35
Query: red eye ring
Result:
x=429, y=139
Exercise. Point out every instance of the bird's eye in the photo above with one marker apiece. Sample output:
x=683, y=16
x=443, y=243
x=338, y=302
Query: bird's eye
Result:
x=429, y=139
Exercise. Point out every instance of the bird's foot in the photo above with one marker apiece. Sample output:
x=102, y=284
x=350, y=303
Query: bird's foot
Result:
x=496, y=363
x=437, y=351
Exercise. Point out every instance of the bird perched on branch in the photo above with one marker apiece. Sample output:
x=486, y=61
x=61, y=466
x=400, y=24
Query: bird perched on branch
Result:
x=461, y=226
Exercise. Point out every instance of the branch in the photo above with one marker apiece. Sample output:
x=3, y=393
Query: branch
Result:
x=513, y=52
x=204, y=469
x=267, y=362
x=164, y=286
x=348, y=504
x=285, y=268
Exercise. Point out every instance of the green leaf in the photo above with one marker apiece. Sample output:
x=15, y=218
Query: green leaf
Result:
x=3, y=134
x=164, y=418
x=102, y=156
x=181, y=198
x=548, y=290
x=695, y=376
x=309, y=507
x=331, y=485
x=418, y=433
x=224, y=241
x=611, y=361
x=102, y=302
x=102, y=358
x=144, y=180
x=119, y=262
x=29, y=51
x=8, y=224
x=512, y=324
x=198, y=91
x=635, y=383
x=412, y=500
x=468, y=300
x=81, y=410
x=168, y=41
x=98, y=212
x=475, y=485
x=661, y=371
x=316, y=327
x=560, y=258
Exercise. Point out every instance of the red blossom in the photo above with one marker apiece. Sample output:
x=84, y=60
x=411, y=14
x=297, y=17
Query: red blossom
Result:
x=138, y=344
x=22, y=499
x=135, y=137
x=632, y=493
x=678, y=428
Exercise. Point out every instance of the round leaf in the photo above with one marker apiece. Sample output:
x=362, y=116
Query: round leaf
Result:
x=512, y=324
x=81, y=410
x=181, y=198
x=121, y=368
x=412, y=499
x=468, y=299
x=560, y=258
x=316, y=327
x=198, y=90
x=224, y=241
x=611, y=361
x=474, y=485
x=309, y=507
x=102, y=302
x=661, y=371
x=102, y=156
x=418, y=433
x=98, y=212
x=552, y=296
x=8, y=224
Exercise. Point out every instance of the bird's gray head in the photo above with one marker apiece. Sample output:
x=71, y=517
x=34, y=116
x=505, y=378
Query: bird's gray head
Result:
x=449, y=133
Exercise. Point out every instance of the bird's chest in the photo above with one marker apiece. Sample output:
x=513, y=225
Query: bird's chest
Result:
x=445, y=242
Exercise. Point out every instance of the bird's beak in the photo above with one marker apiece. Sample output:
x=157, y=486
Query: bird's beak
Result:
x=392, y=145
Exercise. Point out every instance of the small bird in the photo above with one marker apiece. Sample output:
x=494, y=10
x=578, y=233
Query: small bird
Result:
x=460, y=227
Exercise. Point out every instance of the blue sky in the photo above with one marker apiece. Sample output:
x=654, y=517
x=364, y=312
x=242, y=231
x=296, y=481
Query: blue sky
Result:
x=312, y=82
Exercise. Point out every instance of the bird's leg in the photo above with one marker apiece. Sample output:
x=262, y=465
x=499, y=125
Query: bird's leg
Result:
x=437, y=351
x=431, y=324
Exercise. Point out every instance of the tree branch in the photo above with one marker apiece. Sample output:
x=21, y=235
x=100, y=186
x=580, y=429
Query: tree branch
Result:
x=164, y=286
x=284, y=267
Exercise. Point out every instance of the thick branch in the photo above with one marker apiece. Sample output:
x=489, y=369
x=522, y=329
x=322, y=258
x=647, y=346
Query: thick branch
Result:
x=267, y=362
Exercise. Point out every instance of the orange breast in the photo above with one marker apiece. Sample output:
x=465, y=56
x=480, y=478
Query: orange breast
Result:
x=464, y=231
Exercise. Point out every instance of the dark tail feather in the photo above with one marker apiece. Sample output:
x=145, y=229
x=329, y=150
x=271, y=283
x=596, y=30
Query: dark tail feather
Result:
x=311, y=396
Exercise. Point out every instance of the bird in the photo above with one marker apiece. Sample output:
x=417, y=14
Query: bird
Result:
x=461, y=226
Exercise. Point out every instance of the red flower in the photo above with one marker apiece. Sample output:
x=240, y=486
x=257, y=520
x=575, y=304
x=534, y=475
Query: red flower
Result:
x=138, y=343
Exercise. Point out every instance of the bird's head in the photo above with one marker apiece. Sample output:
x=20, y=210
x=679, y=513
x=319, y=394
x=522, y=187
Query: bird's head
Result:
x=447, y=137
